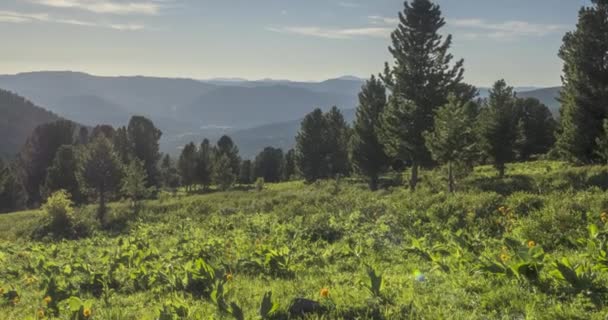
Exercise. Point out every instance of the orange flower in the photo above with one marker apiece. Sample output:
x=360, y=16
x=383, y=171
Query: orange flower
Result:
x=47, y=299
x=531, y=244
x=40, y=313
x=86, y=312
x=324, y=293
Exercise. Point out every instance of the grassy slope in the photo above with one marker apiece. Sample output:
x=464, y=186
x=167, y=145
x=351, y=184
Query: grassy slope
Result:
x=326, y=234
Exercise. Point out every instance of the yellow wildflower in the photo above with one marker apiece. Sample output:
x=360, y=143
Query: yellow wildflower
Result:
x=47, y=299
x=229, y=276
x=604, y=217
x=86, y=312
x=504, y=257
x=324, y=293
x=40, y=313
x=531, y=244
x=1, y=290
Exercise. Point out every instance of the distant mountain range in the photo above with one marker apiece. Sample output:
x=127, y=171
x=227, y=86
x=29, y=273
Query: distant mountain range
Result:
x=256, y=113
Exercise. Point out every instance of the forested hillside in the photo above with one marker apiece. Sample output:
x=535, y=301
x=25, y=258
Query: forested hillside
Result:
x=18, y=118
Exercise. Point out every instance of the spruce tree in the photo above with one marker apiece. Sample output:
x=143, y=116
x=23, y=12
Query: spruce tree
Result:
x=169, y=174
x=584, y=95
x=187, y=165
x=367, y=151
x=498, y=126
x=420, y=80
x=535, y=128
x=337, y=135
x=122, y=145
x=12, y=195
x=134, y=185
x=311, y=150
x=101, y=171
x=452, y=141
x=62, y=174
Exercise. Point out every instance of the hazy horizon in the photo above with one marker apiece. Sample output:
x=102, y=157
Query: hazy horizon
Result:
x=310, y=41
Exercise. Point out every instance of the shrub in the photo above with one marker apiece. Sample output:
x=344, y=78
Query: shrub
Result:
x=259, y=184
x=59, y=208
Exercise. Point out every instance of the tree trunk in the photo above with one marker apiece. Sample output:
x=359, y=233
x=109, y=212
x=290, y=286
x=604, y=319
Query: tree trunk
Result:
x=101, y=211
x=373, y=182
x=451, y=186
x=414, y=176
x=501, y=170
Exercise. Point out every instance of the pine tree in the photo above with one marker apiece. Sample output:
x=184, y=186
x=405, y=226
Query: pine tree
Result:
x=204, y=167
x=144, y=143
x=38, y=153
x=62, y=174
x=134, y=185
x=368, y=154
x=122, y=145
x=584, y=95
x=187, y=164
x=12, y=195
x=535, y=128
x=498, y=125
x=101, y=171
x=452, y=141
x=105, y=130
x=420, y=80
x=222, y=172
x=602, y=144
x=169, y=174
x=246, y=172
x=225, y=146
x=269, y=164
x=337, y=135
x=311, y=150
x=290, y=164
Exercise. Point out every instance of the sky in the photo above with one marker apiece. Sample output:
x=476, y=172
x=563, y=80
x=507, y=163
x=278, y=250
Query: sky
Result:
x=515, y=40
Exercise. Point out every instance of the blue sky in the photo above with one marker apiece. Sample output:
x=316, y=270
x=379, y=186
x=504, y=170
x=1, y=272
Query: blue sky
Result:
x=516, y=40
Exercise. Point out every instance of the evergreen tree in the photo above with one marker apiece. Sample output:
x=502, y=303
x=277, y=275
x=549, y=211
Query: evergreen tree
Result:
x=535, y=128
x=134, y=185
x=290, y=164
x=246, y=172
x=62, y=174
x=222, y=172
x=584, y=95
x=12, y=195
x=269, y=164
x=83, y=136
x=143, y=139
x=122, y=145
x=498, y=124
x=187, y=164
x=38, y=153
x=204, y=167
x=420, y=80
x=368, y=154
x=225, y=146
x=337, y=135
x=602, y=144
x=105, y=130
x=169, y=174
x=452, y=140
x=311, y=157
x=101, y=171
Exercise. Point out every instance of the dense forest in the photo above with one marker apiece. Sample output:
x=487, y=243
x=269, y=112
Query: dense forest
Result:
x=447, y=204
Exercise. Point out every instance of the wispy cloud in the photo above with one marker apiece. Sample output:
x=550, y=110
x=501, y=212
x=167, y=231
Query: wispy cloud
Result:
x=333, y=33
x=146, y=7
x=383, y=20
x=347, y=4
x=506, y=30
x=21, y=17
